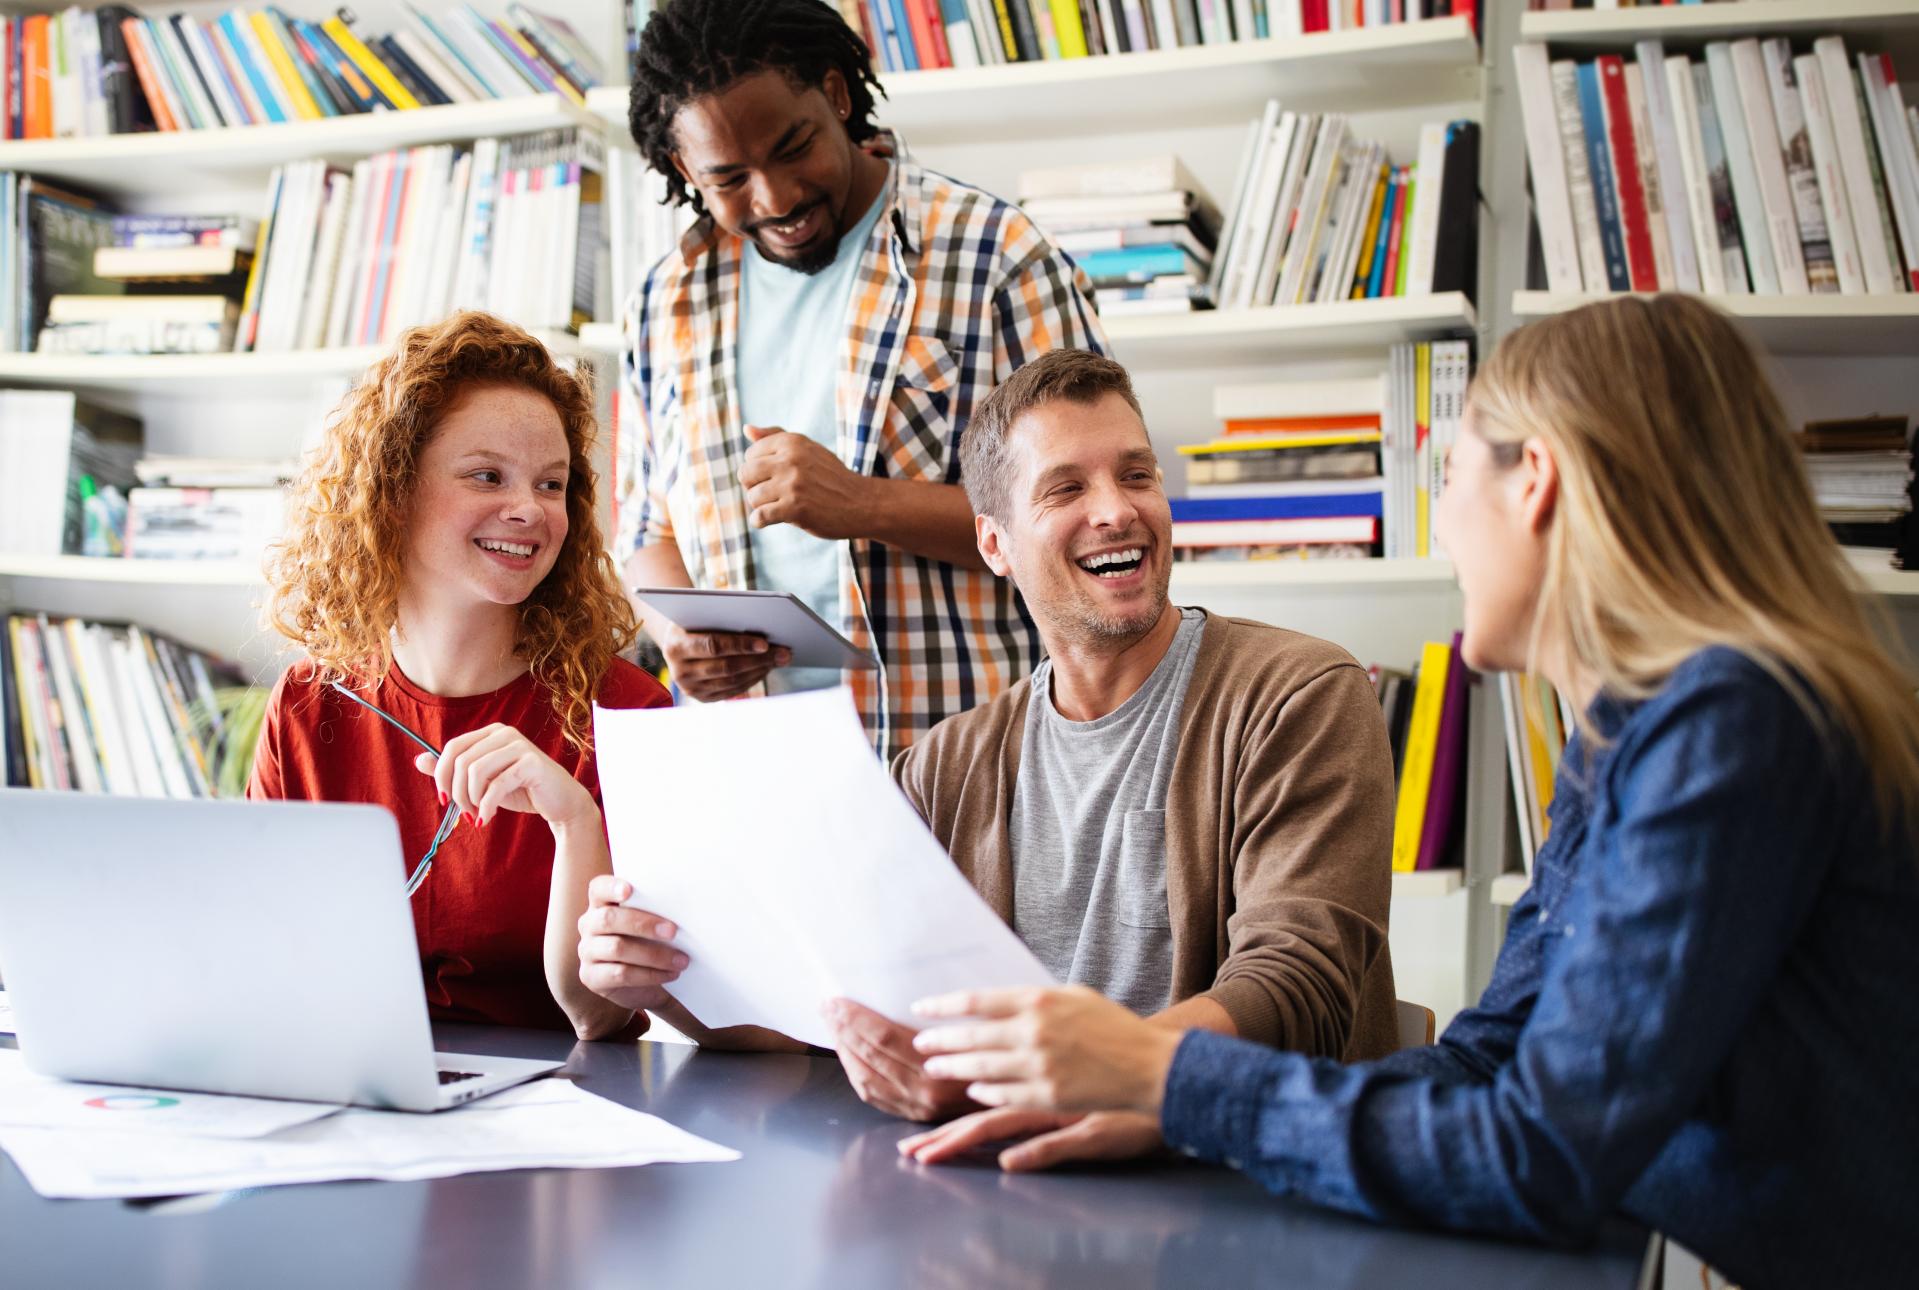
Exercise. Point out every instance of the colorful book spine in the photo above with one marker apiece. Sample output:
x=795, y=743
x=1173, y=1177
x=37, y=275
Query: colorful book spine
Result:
x=1634, y=214
x=281, y=63
x=375, y=71
x=229, y=26
x=1422, y=737
x=1605, y=193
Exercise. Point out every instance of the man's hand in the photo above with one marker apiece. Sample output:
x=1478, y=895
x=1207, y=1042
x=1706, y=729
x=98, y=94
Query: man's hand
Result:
x=709, y=666
x=791, y=479
x=624, y=953
x=884, y=1067
x=1048, y=1138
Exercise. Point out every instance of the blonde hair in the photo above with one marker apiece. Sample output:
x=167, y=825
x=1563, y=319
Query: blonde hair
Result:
x=333, y=583
x=1685, y=520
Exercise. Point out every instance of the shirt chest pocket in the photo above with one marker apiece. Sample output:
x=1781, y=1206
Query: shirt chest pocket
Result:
x=1139, y=871
x=918, y=441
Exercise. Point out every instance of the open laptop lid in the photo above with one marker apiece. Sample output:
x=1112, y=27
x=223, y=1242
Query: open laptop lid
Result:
x=262, y=948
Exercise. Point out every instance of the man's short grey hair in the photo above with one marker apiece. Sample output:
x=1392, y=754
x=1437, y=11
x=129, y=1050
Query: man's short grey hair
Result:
x=1075, y=375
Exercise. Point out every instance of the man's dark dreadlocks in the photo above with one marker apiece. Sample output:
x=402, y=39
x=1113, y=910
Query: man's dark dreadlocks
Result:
x=692, y=48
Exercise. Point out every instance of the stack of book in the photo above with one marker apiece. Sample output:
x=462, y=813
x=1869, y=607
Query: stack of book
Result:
x=57, y=453
x=1144, y=231
x=512, y=226
x=106, y=709
x=916, y=35
x=1862, y=478
x=1318, y=215
x=189, y=508
x=111, y=71
x=1539, y=723
x=1296, y=473
x=1750, y=170
x=48, y=236
x=1425, y=401
x=176, y=283
x=1426, y=715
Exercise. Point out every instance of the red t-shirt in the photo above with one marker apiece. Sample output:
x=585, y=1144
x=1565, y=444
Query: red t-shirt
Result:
x=480, y=916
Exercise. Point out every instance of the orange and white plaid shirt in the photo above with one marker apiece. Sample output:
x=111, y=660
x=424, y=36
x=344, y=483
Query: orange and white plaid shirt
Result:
x=955, y=291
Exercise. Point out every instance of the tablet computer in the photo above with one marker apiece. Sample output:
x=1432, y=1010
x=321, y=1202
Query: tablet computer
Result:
x=780, y=616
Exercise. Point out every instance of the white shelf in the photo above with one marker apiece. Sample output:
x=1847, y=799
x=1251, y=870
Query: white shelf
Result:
x=1221, y=337
x=1898, y=584
x=1239, y=336
x=1892, y=25
x=234, y=374
x=1358, y=575
x=151, y=573
x=1507, y=888
x=1885, y=325
x=190, y=161
x=600, y=338
x=1399, y=65
x=1427, y=884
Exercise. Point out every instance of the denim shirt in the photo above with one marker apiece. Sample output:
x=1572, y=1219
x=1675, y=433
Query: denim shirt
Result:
x=1705, y=1016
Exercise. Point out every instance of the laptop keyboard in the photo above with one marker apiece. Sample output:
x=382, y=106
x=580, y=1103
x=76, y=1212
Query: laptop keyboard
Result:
x=455, y=1077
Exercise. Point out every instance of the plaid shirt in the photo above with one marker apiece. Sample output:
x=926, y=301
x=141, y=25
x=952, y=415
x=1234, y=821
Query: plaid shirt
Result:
x=955, y=291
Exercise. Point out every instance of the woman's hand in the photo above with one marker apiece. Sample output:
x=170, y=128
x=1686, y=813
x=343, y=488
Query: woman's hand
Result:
x=496, y=768
x=626, y=955
x=1061, y=1049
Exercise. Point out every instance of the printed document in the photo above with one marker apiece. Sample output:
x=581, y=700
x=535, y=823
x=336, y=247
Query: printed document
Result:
x=36, y=1101
x=795, y=869
x=546, y=1124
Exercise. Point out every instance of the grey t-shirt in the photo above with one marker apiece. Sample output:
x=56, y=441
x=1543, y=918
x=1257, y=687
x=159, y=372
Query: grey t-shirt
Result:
x=1089, y=833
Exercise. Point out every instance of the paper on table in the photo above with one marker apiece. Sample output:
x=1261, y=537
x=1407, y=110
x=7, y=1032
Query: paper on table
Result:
x=36, y=1101
x=545, y=1124
x=794, y=867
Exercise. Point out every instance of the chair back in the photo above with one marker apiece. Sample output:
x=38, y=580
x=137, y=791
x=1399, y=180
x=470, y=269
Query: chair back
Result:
x=1417, y=1025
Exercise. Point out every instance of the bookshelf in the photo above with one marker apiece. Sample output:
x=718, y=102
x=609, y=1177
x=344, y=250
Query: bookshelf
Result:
x=1359, y=576
x=251, y=373
x=1507, y=888
x=1398, y=65
x=189, y=161
x=1893, y=22
x=1885, y=326
x=1251, y=336
x=984, y=125
x=131, y=573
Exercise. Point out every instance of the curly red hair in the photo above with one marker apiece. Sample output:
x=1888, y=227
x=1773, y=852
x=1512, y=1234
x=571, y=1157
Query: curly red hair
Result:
x=334, y=580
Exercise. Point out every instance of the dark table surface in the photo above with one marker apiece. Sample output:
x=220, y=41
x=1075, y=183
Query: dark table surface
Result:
x=820, y=1198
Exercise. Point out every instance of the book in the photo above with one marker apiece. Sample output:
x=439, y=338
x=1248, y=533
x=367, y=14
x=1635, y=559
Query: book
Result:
x=1445, y=805
x=1546, y=166
x=1271, y=506
x=1599, y=160
x=1802, y=180
x=1422, y=735
x=1212, y=533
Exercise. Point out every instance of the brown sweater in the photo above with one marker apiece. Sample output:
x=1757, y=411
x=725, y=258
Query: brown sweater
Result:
x=1279, y=830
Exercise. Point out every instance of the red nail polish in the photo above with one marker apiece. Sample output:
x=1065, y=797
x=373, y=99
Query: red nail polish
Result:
x=465, y=818
x=442, y=798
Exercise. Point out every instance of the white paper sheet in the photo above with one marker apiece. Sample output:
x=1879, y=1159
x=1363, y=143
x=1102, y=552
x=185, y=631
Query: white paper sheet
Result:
x=793, y=866
x=6, y=1016
x=546, y=1124
x=41, y=1102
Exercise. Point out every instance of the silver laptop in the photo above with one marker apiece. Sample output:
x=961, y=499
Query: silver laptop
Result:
x=262, y=948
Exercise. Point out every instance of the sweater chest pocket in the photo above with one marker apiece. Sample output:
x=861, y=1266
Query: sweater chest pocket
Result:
x=1139, y=872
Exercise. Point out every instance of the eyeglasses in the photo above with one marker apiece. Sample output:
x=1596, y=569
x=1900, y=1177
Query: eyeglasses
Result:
x=452, y=817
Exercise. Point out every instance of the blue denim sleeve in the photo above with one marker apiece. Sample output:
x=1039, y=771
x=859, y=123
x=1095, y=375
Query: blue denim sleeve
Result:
x=1700, y=868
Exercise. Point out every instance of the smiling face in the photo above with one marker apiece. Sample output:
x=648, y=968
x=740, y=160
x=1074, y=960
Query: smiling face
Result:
x=1087, y=537
x=774, y=164
x=488, y=514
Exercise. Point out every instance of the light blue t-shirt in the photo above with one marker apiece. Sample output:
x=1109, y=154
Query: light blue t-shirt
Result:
x=792, y=327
